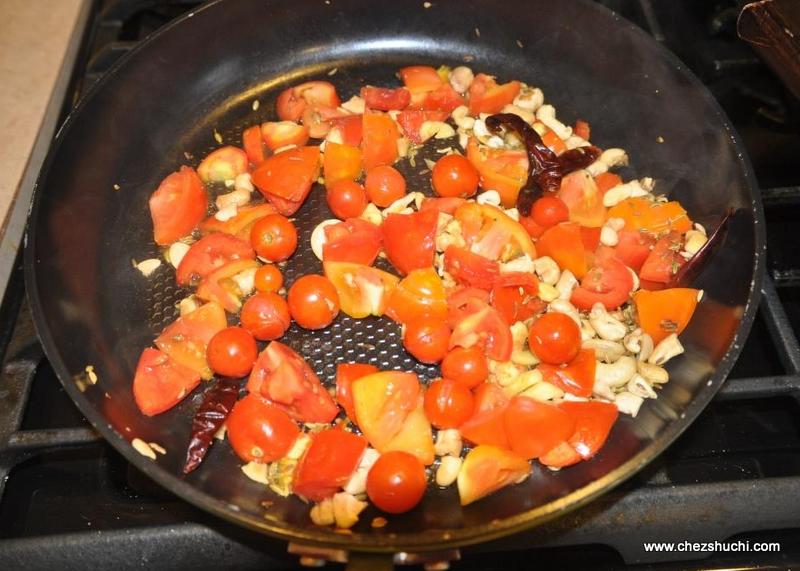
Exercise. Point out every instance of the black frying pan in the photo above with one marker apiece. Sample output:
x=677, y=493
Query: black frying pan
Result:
x=204, y=71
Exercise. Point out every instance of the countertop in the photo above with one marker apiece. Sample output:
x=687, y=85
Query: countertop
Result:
x=39, y=40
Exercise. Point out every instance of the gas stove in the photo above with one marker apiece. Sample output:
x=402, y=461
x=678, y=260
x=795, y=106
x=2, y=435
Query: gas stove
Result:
x=68, y=500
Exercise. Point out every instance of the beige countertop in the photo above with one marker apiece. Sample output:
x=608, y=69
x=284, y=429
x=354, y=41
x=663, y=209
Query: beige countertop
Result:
x=39, y=40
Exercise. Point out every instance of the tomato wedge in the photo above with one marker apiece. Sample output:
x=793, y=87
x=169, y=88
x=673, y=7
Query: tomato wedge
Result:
x=328, y=464
x=661, y=313
x=500, y=170
x=518, y=300
x=411, y=121
x=446, y=204
x=346, y=373
x=609, y=283
x=385, y=99
x=253, y=144
x=664, y=260
x=349, y=130
x=606, y=181
x=382, y=403
x=318, y=119
x=160, y=382
x=420, y=294
x=340, y=162
x=362, y=290
x=460, y=303
x=470, y=269
x=444, y=99
x=284, y=378
x=564, y=244
x=219, y=286
x=485, y=326
x=209, y=253
x=241, y=224
x=534, y=427
x=576, y=377
x=279, y=134
x=593, y=422
x=415, y=436
x=226, y=163
x=292, y=102
x=481, y=224
x=633, y=248
x=177, y=206
x=353, y=240
x=486, y=96
x=379, y=142
x=420, y=78
x=185, y=340
x=487, y=469
x=584, y=200
x=486, y=426
x=410, y=239
x=645, y=215
x=289, y=174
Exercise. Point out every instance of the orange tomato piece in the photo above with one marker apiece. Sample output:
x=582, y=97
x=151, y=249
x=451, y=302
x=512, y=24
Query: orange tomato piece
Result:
x=585, y=202
x=503, y=171
x=340, y=162
x=563, y=242
x=185, y=340
x=487, y=469
x=420, y=78
x=419, y=294
x=379, y=143
x=241, y=224
x=486, y=96
x=576, y=377
x=667, y=311
x=363, y=290
x=606, y=181
x=253, y=144
x=645, y=215
x=383, y=401
x=415, y=436
x=554, y=142
x=289, y=174
x=481, y=222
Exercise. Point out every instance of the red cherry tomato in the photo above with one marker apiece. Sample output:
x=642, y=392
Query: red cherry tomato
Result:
x=268, y=278
x=396, y=482
x=274, y=237
x=232, y=352
x=346, y=199
x=260, y=431
x=313, y=301
x=266, y=316
x=555, y=338
x=549, y=211
x=448, y=404
x=426, y=339
x=384, y=184
x=454, y=175
x=467, y=367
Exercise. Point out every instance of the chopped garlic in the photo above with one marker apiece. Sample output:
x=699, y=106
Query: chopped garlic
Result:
x=148, y=266
x=143, y=448
x=176, y=252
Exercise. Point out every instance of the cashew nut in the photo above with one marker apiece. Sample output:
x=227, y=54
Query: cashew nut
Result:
x=652, y=373
x=603, y=391
x=565, y=284
x=491, y=197
x=519, y=264
x=607, y=351
x=565, y=307
x=668, y=348
x=355, y=105
x=547, y=115
x=237, y=197
x=614, y=157
x=448, y=470
x=694, y=241
x=615, y=374
x=547, y=293
x=245, y=281
x=461, y=78
x=188, y=305
x=607, y=327
x=318, y=236
x=346, y=509
x=622, y=192
x=640, y=387
x=608, y=236
x=461, y=118
x=543, y=392
x=448, y=442
x=530, y=98
x=628, y=403
x=523, y=382
x=519, y=334
x=357, y=484
x=503, y=372
x=322, y=513
x=243, y=182
x=176, y=252
x=372, y=214
x=547, y=269
x=525, y=114
x=574, y=141
x=587, y=331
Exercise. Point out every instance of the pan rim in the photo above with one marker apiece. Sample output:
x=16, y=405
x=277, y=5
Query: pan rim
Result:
x=426, y=541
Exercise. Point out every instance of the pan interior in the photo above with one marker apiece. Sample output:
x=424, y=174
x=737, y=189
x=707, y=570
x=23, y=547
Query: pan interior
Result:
x=162, y=107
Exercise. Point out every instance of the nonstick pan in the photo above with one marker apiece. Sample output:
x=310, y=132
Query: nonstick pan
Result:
x=159, y=107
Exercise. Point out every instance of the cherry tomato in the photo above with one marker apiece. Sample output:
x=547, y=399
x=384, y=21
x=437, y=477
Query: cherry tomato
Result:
x=555, y=338
x=467, y=367
x=260, y=431
x=454, y=175
x=549, y=211
x=232, y=352
x=266, y=316
x=448, y=404
x=313, y=301
x=274, y=237
x=384, y=184
x=426, y=339
x=268, y=278
x=346, y=199
x=396, y=482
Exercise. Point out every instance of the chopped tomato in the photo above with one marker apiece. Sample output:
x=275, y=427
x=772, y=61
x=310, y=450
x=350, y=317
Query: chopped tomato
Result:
x=282, y=205
x=661, y=313
x=419, y=294
x=226, y=163
x=482, y=225
x=563, y=243
x=349, y=129
x=319, y=119
x=379, y=143
x=177, y=206
x=340, y=162
x=664, y=260
x=292, y=102
x=385, y=99
x=253, y=144
x=486, y=327
x=219, y=286
x=279, y=134
x=593, y=422
x=576, y=377
x=486, y=96
x=606, y=181
x=186, y=339
x=383, y=402
x=410, y=239
x=460, y=304
x=633, y=248
x=534, y=427
x=560, y=456
x=328, y=464
x=284, y=378
x=346, y=373
x=646, y=215
x=470, y=269
x=420, y=78
x=518, y=300
x=585, y=202
x=241, y=224
x=486, y=425
x=532, y=227
x=353, y=240
x=609, y=283
x=411, y=121
x=415, y=436
x=500, y=170
x=362, y=290
x=582, y=129
x=442, y=99
x=487, y=469
x=590, y=238
x=160, y=382
x=446, y=205
x=289, y=174
x=209, y=253
x=553, y=141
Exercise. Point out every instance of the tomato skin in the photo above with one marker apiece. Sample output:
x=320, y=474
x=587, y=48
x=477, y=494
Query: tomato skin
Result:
x=609, y=283
x=160, y=382
x=467, y=367
x=340, y=163
x=606, y=181
x=385, y=99
x=396, y=482
x=442, y=99
x=185, y=340
x=656, y=218
x=664, y=260
x=445, y=205
x=232, y=352
x=292, y=102
x=177, y=206
x=448, y=404
x=486, y=426
x=327, y=465
x=470, y=269
x=515, y=296
x=313, y=301
x=226, y=163
x=274, y=238
x=354, y=240
x=490, y=232
x=259, y=431
x=346, y=373
x=266, y=316
x=534, y=427
x=284, y=378
x=555, y=338
x=427, y=340
x=278, y=134
x=253, y=144
x=576, y=377
x=379, y=140
x=384, y=184
x=209, y=253
x=582, y=129
x=288, y=175
x=410, y=239
x=454, y=175
x=549, y=211
x=268, y=278
x=484, y=326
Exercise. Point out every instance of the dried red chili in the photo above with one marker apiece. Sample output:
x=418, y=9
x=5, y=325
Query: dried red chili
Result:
x=215, y=408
